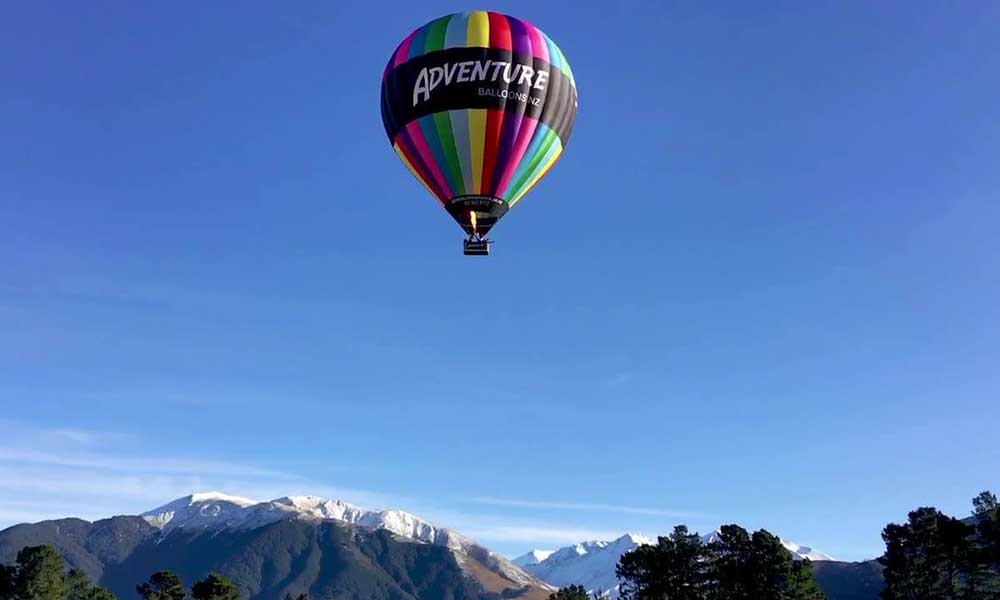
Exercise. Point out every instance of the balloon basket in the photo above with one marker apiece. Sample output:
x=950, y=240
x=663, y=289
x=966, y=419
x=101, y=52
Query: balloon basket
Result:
x=476, y=246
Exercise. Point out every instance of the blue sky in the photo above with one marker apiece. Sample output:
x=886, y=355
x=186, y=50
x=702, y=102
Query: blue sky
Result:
x=760, y=287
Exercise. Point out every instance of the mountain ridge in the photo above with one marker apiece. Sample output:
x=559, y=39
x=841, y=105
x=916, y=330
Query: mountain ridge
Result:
x=375, y=554
x=592, y=563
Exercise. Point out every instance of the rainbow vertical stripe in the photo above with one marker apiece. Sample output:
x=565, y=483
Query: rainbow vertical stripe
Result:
x=495, y=111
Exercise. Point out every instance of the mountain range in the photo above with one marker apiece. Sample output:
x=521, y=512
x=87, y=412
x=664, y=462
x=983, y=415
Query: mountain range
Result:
x=592, y=564
x=326, y=548
x=332, y=549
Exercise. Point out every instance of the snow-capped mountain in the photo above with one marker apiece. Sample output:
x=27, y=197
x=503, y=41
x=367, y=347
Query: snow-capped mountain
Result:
x=532, y=558
x=215, y=510
x=592, y=564
x=798, y=552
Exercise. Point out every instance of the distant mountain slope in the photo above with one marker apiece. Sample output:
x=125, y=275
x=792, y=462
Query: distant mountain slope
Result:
x=289, y=545
x=592, y=564
x=850, y=580
x=532, y=558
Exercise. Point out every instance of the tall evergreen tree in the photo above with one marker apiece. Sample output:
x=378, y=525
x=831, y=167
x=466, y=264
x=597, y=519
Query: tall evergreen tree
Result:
x=757, y=567
x=39, y=574
x=673, y=569
x=573, y=592
x=8, y=581
x=803, y=583
x=985, y=579
x=79, y=587
x=162, y=585
x=215, y=587
x=770, y=567
x=987, y=514
x=731, y=570
x=931, y=556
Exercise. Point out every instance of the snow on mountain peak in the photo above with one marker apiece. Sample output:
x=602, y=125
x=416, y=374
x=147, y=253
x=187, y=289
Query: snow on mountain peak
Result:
x=798, y=552
x=592, y=564
x=215, y=510
x=205, y=509
x=532, y=558
x=219, y=496
x=801, y=552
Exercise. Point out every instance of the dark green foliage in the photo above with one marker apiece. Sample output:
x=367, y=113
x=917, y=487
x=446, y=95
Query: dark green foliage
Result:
x=573, y=592
x=731, y=562
x=749, y=567
x=804, y=585
x=8, y=581
x=79, y=587
x=299, y=597
x=39, y=574
x=987, y=514
x=737, y=566
x=936, y=556
x=674, y=569
x=215, y=587
x=162, y=585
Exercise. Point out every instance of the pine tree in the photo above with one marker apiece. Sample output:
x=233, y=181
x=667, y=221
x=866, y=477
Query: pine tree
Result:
x=730, y=559
x=215, y=587
x=803, y=582
x=8, y=581
x=77, y=585
x=674, y=569
x=770, y=566
x=984, y=582
x=987, y=514
x=573, y=592
x=755, y=567
x=931, y=556
x=39, y=574
x=162, y=585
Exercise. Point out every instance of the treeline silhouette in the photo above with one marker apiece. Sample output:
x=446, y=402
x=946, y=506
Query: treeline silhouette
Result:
x=939, y=557
x=931, y=556
x=40, y=574
x=737, y=565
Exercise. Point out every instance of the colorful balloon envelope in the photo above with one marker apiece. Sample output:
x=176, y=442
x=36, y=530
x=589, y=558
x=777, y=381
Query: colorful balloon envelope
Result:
x=478, y=106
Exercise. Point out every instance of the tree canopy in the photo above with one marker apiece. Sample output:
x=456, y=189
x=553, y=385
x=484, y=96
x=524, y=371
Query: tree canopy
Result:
x=215, y=587
x=933, y=555
x=736, y=566
x=573, y=592
x=162, y=585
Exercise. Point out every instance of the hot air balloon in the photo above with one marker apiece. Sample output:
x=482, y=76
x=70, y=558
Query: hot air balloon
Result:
x=478, y=106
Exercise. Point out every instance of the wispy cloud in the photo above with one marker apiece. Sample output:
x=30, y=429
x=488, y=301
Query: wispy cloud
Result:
x=585, y=506
x=79, y=436
x=60, y=472
x=541, y=535
x=92, y=474
x=166, y=465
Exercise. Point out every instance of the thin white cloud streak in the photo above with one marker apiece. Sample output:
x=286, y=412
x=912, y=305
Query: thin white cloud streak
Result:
x=582, y=506
x=528, y=534
x=79, y=436
x=83, y=474
x=142, y=465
